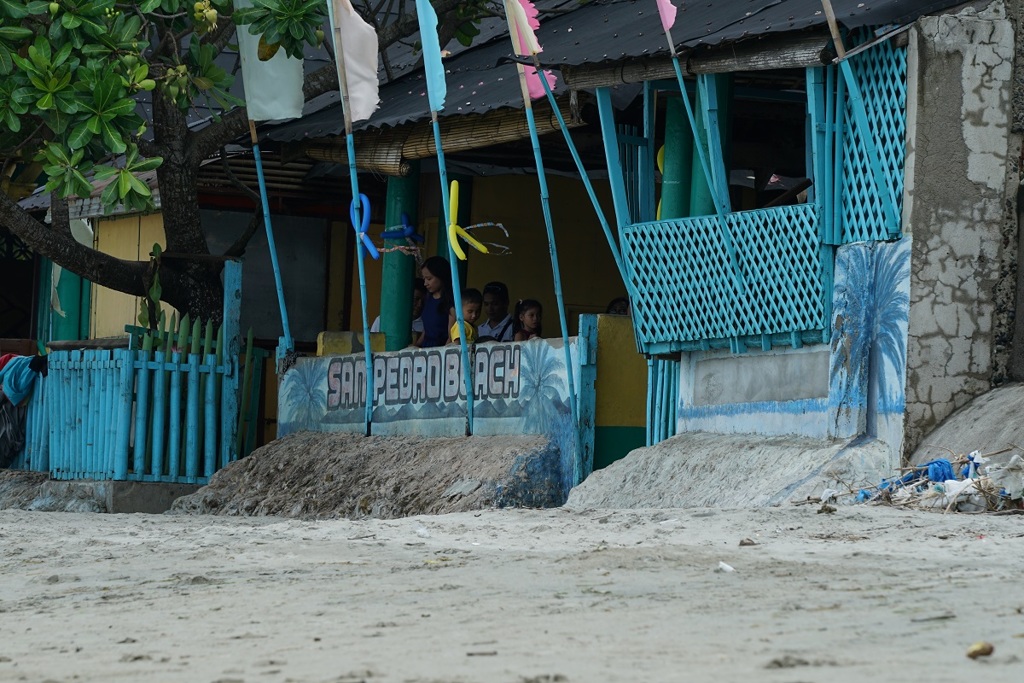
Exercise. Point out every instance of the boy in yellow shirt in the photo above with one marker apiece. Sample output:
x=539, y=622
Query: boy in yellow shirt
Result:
x=472, y=305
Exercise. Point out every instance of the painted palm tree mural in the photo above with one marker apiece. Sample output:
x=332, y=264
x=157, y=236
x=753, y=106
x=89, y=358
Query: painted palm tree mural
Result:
x=869, y=337
x=544, y=395
x=891, y=294
x=304, y=396
x=542, y=379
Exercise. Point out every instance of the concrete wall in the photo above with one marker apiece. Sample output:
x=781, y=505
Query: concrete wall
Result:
x=854, y=386
x=961, y=184
x=870, y=321
x=620, y=416
x=519, y=388
x=779, y=392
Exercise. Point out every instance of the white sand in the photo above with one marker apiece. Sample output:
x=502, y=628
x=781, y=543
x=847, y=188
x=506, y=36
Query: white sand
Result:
x=866, y=594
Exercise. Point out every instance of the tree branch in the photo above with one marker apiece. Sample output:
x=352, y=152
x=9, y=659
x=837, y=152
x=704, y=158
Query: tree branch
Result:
x=150, y=149
x=61, y=247
x=409, y=24
x=237, y=250
x=222, y=36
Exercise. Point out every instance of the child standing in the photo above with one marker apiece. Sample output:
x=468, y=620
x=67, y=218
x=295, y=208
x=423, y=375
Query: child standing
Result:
x=499, y=323
x=527, y=320
x=472, y=304
x=439, y=308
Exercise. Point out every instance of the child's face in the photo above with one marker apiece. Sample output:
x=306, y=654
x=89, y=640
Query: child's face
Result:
x=530, y=318
x=432, y=283
x=496, y=307
x=471, y=312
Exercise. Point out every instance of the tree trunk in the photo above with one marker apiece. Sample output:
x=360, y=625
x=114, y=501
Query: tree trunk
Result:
x=191, y=286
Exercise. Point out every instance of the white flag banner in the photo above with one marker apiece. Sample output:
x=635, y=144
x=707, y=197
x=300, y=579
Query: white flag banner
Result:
x=359, y=46
x=273, y=89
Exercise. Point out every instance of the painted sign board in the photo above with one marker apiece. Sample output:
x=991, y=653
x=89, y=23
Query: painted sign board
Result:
x=518, y=388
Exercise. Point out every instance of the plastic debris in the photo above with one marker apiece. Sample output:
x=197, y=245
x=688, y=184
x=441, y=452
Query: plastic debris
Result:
x=422, y=532
x=1009, y=477
x=970, y=483
x=723, y=567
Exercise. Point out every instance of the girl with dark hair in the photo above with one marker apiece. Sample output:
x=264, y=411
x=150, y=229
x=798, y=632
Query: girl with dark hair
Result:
x=527, y=319
x=439, y=308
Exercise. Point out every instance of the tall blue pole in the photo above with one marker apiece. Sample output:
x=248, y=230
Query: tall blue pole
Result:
x=467, y=371
x=605, y=227
x=356, y=213
x=285, y=343
x=552, y=248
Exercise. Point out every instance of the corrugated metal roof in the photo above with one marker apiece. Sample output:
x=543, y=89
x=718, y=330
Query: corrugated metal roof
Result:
x=608, y=30
x=475, y=85
x=596, y=32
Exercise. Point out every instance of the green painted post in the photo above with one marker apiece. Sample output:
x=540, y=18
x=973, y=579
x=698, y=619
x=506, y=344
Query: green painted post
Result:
x=701, y=201
x=85, y=317
x=399, y=269
x=465, y=202
x=73, y=301
x=43, y=310
x=677, y=176
x=69, y=291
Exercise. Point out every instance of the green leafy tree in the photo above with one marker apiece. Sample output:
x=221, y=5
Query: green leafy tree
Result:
x=97, y=92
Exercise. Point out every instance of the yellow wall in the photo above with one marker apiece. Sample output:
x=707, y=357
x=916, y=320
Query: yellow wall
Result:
x=589, y=277
x=130, y=238
x=621, y=375
x=337, y=273
x=374, y=273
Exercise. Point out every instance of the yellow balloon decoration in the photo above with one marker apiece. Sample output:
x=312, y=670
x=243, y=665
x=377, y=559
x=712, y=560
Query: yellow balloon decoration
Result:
x=455, y=231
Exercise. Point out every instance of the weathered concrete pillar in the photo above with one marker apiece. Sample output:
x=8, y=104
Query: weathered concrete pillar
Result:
x=960, y=210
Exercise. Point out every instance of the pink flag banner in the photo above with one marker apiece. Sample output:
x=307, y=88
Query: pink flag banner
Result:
x=522, y=21
x=668, y=13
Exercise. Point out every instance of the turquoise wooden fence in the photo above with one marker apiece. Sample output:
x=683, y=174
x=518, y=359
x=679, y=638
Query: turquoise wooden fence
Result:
x=35, y=455
x=121, y=414
x=169, y=415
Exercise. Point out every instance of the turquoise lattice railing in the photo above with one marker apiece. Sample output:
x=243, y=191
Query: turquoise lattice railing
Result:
x=881, y=74
x=687, y=296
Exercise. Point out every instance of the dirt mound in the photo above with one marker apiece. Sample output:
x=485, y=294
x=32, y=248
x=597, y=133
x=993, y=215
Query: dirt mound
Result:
x=989, y=423
x=347, y=475
x=36, y=491
x=18, y=489
x=732, y=470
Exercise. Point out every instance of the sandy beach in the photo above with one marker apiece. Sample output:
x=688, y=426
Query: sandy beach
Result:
x=866, y=593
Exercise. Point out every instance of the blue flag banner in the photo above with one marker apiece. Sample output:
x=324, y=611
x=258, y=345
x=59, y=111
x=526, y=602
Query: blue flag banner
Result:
x=436, y=86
